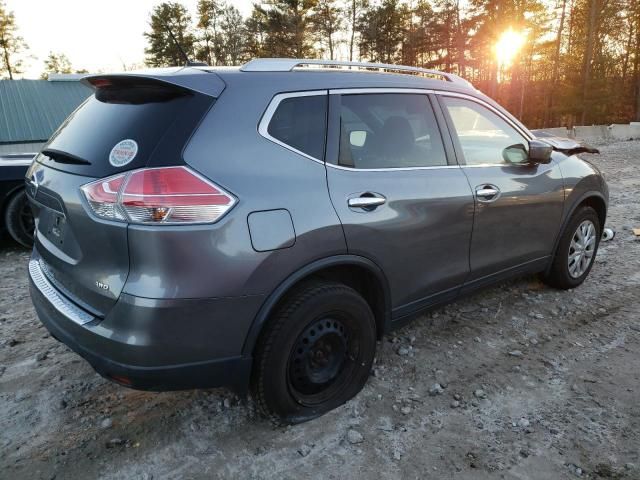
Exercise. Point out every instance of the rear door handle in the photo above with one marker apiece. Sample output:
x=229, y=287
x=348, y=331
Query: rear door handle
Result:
x=487, y=193
x=367, y=201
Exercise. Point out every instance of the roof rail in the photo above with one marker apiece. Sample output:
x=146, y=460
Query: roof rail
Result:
x=290, y=64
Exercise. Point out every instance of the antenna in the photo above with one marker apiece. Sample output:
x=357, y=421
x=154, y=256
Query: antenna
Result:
x=188, y=63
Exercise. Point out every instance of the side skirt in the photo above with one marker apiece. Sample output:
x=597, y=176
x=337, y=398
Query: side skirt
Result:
x=403, y=315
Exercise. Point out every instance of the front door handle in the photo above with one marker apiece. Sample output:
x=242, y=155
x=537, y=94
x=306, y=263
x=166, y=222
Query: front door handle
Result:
x=367, y=201
x=487, y=193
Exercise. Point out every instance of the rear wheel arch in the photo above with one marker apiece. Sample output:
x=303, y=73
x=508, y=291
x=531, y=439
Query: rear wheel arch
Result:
x=355, y=271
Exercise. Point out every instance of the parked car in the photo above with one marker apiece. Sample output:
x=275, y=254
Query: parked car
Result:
x=17, y=219
x=262, y=227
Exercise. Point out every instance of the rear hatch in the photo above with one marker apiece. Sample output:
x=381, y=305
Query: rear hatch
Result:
x=130, y=122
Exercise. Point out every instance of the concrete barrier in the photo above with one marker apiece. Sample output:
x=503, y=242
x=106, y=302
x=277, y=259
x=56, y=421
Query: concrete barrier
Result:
x=557, y=132
x=626, y=131
x=592, y=132
x=630, y=131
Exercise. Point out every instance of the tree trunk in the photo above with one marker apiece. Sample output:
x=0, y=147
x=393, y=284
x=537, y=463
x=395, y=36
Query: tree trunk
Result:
x=556, y=63
x=330, y=46
x=570, y=36
x=5, y=53
x=460, y=43
x=353, y=29
x=588, y=58
x=8, y=63
x=636, y=68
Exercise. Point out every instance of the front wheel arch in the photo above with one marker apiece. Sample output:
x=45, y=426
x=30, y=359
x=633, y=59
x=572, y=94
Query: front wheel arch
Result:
x=593, y=199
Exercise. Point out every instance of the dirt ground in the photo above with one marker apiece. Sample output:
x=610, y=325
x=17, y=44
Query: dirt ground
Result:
x=517, y=382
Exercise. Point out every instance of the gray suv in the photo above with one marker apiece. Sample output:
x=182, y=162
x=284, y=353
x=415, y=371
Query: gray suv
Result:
x=262, y=227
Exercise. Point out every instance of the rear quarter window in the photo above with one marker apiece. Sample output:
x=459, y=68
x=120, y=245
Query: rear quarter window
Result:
x=301, y=123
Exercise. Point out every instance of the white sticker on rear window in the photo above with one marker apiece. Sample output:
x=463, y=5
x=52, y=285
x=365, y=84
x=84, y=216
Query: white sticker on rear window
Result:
x=123, y=152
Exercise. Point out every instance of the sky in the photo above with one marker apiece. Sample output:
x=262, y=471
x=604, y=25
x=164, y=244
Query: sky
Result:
x=95, y=35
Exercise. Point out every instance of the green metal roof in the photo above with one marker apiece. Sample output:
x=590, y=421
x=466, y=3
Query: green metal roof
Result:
x=31, y=110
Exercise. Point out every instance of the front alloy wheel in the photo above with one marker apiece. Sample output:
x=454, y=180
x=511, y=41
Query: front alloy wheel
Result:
x=576, y=250
x=582, y=249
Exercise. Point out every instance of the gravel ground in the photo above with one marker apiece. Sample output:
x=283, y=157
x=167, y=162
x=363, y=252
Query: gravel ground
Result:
x=517, y=382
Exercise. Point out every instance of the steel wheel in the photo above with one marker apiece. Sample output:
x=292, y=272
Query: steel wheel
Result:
x=582, y=249
x=315, y=353
x=321, y=361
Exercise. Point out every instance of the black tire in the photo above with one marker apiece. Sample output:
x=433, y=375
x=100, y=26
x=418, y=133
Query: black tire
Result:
x=19, y=219
x=559, y=275
x=315, y=353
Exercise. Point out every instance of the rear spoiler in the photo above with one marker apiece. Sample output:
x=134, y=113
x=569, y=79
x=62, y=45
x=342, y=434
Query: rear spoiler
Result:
x=182, y=79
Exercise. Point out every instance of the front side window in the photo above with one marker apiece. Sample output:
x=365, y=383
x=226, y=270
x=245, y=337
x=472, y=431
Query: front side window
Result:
x=484, y=136
x=389, y=131
x=301, y=123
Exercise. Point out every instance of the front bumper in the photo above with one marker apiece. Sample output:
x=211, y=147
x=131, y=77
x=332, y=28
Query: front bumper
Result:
x=154, y=344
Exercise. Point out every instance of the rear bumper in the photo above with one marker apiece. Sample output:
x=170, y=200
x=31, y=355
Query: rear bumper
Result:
x=155, y=344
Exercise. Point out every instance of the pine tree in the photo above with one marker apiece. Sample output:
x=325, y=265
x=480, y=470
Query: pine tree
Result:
x=287, y=28
x=382, y=29
x=56, y=63
x=209, y=24
x=326, y=21
x=234, y=35
x=162, y=50
x=12, y=46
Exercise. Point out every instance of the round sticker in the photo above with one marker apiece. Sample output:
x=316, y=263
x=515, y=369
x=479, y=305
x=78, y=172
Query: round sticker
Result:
x=123, y=152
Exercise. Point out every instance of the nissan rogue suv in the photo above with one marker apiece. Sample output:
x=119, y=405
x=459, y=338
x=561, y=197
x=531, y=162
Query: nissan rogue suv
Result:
x=262, y=227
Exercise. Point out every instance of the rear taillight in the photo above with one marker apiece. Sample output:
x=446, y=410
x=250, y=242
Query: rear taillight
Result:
x=168, y=195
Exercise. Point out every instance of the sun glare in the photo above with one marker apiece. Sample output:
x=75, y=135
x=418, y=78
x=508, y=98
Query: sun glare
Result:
x=508, y=46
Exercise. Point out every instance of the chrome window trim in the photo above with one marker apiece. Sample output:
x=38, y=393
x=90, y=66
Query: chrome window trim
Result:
x=525, y=133
x=263, y=126
x=505, y=164
x=399, y=169
x=57, y=301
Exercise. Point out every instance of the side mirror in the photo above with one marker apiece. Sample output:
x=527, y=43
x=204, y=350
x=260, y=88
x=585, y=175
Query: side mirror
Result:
x=515, y=154
x=539, y=151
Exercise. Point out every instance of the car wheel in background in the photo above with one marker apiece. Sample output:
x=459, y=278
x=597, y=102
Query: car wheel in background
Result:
x=19, y=219
x=576, y=250
x=315, y=354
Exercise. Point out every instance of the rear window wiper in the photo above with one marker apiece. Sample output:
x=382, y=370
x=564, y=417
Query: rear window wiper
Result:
x=62, y=157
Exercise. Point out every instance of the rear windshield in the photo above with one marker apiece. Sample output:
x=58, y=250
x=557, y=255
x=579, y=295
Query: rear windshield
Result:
x=114, y=130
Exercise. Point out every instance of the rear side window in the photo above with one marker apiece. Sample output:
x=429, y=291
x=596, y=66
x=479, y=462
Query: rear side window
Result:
x=301, y=123
x=389, y=131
